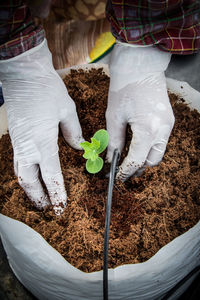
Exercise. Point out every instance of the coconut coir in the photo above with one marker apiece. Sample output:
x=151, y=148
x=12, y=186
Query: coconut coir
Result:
x=147, y=212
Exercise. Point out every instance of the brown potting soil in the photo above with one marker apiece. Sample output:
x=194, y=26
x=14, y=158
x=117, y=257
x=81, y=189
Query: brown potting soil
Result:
x=147, y=212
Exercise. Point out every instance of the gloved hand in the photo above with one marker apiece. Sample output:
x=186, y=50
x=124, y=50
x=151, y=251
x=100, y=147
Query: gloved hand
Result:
x=37, y=101
x=138, y=96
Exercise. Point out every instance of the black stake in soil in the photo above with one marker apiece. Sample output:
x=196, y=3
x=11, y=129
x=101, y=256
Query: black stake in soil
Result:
x=115, y=160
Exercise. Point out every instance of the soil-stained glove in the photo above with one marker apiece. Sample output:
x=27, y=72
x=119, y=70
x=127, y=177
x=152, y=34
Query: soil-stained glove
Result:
x=138, y=96
x=37, y=101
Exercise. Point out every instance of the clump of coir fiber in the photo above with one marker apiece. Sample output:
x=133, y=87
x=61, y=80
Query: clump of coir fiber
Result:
x=147, y=212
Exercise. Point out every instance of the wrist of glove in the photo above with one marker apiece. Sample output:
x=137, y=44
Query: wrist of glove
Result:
x=138, y=97
x=37, y=102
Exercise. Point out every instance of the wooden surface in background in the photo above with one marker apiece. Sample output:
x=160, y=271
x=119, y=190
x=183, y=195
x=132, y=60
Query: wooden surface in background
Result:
x=70, y=41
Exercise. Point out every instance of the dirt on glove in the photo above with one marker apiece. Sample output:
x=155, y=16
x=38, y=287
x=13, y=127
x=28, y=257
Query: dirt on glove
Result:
x=147, y=211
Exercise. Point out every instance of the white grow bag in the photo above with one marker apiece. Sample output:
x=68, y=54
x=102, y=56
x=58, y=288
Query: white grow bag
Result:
x=44, y=272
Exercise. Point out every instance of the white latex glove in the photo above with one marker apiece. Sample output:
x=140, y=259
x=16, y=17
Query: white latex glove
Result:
x=37, y=101
x=138, y=96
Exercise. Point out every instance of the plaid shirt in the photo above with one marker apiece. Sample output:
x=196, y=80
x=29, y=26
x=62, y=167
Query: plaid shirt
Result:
x=17, y=30
x=171, y=25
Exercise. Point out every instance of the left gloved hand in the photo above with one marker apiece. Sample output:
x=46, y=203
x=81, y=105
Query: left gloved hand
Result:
x=138, y=96
x=37, y=104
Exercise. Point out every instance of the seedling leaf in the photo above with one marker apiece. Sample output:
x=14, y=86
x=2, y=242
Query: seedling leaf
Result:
x=103, y=137
x=94, y=166
x=85, y=145
x=92, y=150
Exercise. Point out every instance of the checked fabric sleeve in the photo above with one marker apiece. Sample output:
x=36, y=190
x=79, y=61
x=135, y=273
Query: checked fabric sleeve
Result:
x=171, y=25
x=18, y=33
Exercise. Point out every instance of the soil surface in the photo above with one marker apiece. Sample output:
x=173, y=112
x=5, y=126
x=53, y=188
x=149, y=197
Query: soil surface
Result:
x=147, y=211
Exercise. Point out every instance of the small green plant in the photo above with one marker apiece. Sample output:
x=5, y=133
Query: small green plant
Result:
x=98, y=144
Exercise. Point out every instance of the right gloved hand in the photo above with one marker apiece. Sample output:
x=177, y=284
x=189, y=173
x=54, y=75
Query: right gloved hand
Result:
x=138, y=97
x=37, y=101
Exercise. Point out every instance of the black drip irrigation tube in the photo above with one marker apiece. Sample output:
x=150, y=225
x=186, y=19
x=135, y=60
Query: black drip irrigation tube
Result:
x=112, y=174
x=113, y=170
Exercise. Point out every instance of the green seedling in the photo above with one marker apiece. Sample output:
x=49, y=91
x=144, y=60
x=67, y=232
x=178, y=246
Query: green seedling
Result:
x=98, y=144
